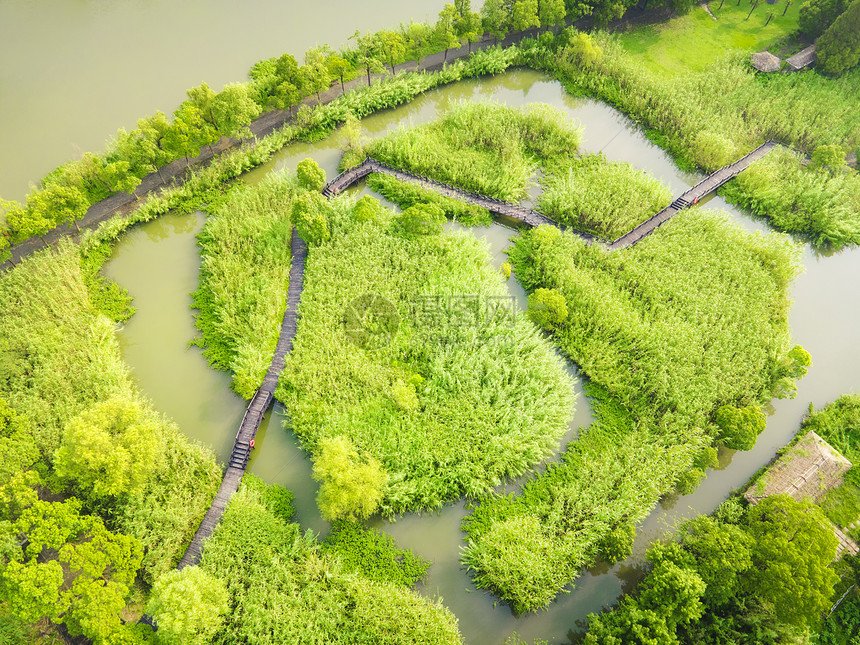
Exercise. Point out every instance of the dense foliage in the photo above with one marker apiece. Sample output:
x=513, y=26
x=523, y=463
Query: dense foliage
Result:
x=714, y=116
x=70, y=403
x=482, y=147
x=408, y=348
x=692, y=318
x=759, y=575
x=244, y=276
x=838, y=49
x=284, y=588
x=373, y=554
x=601, y=197
x=405, y=194
x=838, y=423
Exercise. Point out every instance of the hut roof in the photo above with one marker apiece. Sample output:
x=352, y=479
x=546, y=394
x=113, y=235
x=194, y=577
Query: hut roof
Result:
x=765, y=62
x=808, y=471
x=802, y=59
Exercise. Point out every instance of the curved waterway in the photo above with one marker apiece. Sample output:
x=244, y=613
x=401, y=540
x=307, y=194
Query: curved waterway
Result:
x=158, y=261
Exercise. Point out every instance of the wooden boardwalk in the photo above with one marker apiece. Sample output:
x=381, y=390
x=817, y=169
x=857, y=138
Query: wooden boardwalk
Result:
x=705, y=187
x=370, y=165
x=531, y=217
x=256, y=408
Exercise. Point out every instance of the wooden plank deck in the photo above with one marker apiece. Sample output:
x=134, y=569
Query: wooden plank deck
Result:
x=531, y=217
x=256, y=409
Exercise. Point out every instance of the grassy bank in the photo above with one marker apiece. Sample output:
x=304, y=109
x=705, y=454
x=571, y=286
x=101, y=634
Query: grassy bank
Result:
x=692, y=42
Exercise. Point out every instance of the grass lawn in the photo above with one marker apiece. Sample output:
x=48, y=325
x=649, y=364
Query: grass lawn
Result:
x=692, y=42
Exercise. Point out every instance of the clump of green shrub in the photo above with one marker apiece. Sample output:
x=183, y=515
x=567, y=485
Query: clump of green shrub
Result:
x=373, y=554
x=602, y=197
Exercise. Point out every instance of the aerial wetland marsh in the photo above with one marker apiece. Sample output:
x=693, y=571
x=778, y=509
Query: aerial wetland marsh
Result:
x=481, y=430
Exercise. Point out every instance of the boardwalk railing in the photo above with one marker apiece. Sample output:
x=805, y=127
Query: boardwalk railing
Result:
x=533, y=218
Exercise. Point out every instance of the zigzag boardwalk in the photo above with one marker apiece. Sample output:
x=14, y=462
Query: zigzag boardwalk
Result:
x=531, y=217
x=256, y=408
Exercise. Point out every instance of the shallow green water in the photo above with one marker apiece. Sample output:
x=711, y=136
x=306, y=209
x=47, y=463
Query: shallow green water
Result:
x=157, y=263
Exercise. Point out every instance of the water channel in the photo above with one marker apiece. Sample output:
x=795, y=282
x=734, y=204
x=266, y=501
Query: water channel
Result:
x=158, y=263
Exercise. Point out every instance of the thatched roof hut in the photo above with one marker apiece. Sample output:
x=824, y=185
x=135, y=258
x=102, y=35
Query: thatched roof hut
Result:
x=765, y=62
x=802, y=59
x=808, y=471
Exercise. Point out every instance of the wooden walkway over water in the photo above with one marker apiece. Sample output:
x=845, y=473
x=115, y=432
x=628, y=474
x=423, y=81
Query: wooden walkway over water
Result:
x=533, y=218
x=256, y=408
x=705, y=187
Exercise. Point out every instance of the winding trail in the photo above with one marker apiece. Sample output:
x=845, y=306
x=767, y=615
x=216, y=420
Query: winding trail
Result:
x=256, y=408
x=532, y=217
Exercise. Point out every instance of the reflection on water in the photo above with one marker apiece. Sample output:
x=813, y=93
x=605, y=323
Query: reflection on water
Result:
x=157, y=262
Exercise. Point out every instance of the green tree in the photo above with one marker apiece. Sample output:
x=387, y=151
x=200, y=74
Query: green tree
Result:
x=315, y=71
x=368, y=54
x=582, y=48
x=188, y=606
x=740, y=427
x=617, y=544
x=310, y=175
x=233, y=109
x=547, y=308
x=817, y=15
x=368, y=209
x=673, y=592
x=723, y=553
x=189, y=132
x=467, y=23
x=117, y=176
x=793, y=546
x=551, y=12
x=338, y=66
x=445, y=31
x=24, y=224
x=420, y=220
x=61, y=565
x=831, y=157
x=494, y=17
x=309, y=217
x=152, y=148
x=58, y=205
x=391, y=47
x=110, y=449
x=838, y=48
x=203, y=98
x=351, y=487
x=524, y=15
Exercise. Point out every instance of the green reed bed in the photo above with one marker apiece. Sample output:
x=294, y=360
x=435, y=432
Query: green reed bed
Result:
x=285, y=588
x=601, y=197
x=244, y=276
x=692, y=318
x=482, y=147
x=407, y=347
